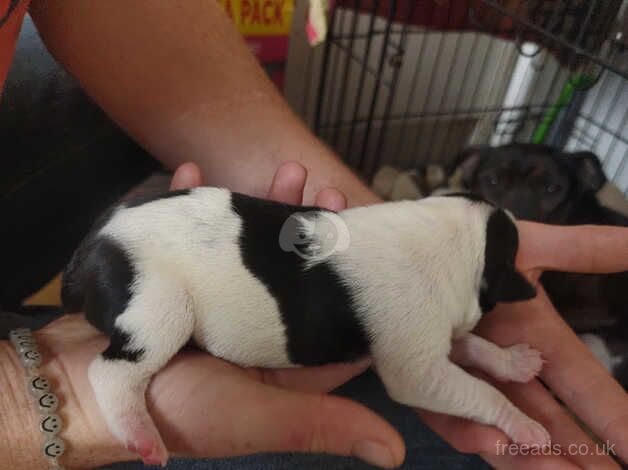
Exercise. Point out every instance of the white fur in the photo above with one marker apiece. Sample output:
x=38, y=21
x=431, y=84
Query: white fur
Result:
x=194, y=241
x=413, y=269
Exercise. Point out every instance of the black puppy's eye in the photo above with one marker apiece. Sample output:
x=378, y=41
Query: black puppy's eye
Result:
x=493, y=180
x=552, y=188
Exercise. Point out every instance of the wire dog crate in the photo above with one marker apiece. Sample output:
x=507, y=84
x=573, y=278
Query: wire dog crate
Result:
x=412, y=82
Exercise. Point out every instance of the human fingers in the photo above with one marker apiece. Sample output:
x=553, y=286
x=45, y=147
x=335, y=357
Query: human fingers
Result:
x=526, y=462
x=463, y=435
x=332, y=199
x=187, y=175
x=582, y=249
x=571, y=371
x=223, y=412
x=288, y=183
x=569, y=442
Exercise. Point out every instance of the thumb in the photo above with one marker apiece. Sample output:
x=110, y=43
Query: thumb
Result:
x=297, y=422
x=254, y=417
x=334, y=425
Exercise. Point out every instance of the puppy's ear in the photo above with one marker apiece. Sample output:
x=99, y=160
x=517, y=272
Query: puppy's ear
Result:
x=513, y=287
x=467, y=163
x=500, y=280
x=588, y=170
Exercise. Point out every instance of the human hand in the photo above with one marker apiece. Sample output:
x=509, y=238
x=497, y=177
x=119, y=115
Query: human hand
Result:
x=571, y=372
x=206, y=407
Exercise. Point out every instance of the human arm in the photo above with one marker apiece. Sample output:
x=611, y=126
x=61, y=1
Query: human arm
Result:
x=178, y=77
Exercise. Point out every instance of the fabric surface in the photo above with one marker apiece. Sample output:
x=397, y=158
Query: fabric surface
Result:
x=11, y=16
x=62, y=163
x=425, y=450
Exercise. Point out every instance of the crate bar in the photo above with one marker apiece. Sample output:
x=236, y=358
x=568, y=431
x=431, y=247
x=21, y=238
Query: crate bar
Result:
x=393, y=89
x=367, y=51
x=472, y=112
x=345, y=72
x=445, y=93
x=375, y=97
x=333, y=90
x=575, y=48
x=465, y=73
x=410, y=101
x=323, y=79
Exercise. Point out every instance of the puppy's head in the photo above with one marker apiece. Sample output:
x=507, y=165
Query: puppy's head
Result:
x=501, y=282
x=534, y=182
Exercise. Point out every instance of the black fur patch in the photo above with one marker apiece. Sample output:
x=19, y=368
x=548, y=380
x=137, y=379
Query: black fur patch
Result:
x=72, y=289
x=500, y=280
x=119, y=348
x=316, y=308
x=138, y=201
x=107, y=278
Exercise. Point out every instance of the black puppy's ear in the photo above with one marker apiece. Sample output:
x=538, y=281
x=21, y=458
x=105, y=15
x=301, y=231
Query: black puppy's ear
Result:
x=513, y=287
x=588, y=170
x=468, y=161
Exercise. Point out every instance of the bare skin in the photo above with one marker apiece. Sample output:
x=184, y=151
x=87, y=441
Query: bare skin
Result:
x=186, y=87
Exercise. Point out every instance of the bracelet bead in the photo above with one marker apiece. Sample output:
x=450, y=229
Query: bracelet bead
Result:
x=38, y=385
x=18, y=334
x=30, y=358
x=50, y=424
x=48, y=403
x=24, y=345
x=39, y=388
x=54, y=447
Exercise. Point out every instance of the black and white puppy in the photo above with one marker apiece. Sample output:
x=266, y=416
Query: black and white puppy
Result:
x=264, y=284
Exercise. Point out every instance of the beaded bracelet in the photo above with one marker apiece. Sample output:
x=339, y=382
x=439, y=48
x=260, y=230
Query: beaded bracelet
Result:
x=50, y=424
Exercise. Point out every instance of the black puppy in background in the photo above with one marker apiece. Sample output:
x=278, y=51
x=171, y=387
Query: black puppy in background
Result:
x=543, y=184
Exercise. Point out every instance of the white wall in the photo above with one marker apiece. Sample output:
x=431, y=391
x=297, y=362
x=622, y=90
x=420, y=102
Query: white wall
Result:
x=603, y=127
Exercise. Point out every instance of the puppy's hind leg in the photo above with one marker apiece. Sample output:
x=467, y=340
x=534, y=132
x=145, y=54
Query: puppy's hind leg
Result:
x=444, y=387
x=157, y=322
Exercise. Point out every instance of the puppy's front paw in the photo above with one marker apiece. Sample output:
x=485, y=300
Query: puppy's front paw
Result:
x=523, y=364
x=528, y=432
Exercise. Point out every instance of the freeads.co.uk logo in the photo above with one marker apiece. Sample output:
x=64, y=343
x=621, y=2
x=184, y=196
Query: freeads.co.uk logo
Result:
x=314, y=235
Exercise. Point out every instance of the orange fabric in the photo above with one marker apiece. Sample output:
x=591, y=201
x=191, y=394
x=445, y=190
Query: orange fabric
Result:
x=9, y=29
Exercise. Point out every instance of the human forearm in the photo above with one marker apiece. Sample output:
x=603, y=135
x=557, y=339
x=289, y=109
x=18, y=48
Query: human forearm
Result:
x=18, y=427
x=178, y=77
x=20, y=439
